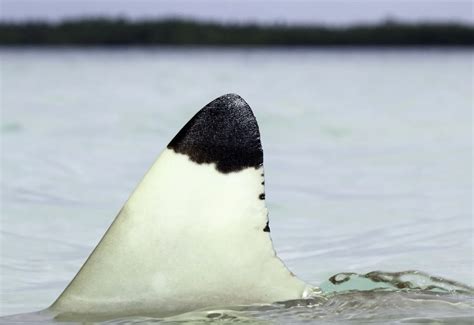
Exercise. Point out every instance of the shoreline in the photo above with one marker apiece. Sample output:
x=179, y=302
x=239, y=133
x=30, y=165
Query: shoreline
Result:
x=106, y=32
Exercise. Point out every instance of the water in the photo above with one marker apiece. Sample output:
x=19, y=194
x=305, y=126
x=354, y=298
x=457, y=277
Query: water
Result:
x=368, y=165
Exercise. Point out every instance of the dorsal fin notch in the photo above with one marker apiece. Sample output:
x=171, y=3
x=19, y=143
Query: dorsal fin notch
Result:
x=224, y=132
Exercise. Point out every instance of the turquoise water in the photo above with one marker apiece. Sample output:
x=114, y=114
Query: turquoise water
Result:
x=368, y=165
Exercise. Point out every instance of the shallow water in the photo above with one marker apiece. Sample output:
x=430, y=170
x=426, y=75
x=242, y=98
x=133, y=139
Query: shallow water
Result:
x=368, y=165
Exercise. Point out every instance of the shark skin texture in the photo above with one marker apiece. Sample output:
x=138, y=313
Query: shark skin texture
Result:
x=193, y=234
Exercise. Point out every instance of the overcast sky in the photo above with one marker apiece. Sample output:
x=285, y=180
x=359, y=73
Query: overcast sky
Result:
x=264, y=11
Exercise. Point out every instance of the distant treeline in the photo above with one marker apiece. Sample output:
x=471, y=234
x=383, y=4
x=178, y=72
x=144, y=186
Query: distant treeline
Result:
x=101, y=31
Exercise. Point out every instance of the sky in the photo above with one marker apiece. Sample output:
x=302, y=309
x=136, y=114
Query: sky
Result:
x=335, y=12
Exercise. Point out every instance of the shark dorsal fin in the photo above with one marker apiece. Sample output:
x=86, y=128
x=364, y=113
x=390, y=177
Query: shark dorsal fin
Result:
x=194, y=233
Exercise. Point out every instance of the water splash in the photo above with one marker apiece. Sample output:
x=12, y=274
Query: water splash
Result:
x=393, y=281
x=374, y=297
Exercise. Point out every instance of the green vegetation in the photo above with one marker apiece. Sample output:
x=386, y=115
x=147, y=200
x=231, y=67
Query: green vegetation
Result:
x=101, y=31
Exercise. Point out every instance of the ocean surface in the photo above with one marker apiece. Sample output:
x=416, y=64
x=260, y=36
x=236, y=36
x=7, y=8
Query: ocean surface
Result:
x=368, y=165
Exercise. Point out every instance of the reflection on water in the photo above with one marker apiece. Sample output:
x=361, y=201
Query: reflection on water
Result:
x=367, y=163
